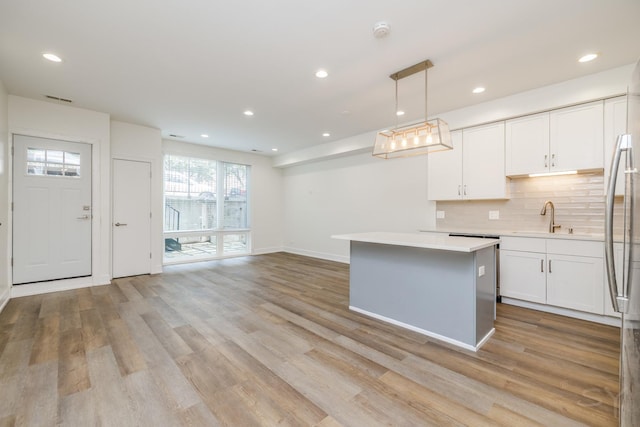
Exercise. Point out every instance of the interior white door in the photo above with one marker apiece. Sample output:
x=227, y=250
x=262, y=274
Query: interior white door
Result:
x=51, y=209
x=131, y=218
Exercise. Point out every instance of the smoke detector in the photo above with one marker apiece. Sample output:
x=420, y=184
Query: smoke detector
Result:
x=381, y=30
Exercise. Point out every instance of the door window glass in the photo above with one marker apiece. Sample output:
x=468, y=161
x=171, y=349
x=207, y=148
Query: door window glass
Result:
x=53, y=162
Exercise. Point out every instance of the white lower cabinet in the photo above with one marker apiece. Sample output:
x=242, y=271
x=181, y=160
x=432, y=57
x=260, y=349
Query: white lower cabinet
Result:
x=522, y=275
x=563, y=273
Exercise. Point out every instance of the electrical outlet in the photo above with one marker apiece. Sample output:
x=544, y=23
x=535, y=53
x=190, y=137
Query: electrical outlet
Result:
x=481, y=271
x=494, y=215
x=440, y=214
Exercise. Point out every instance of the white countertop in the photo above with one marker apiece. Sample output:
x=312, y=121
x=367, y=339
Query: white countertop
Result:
x=440, y=241
x=528, y=233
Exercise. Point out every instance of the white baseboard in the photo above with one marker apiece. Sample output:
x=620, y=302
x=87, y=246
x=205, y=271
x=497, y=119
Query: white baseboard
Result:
x=263, y=251
x=53, y=286
x=424, y=331
x=4, y=298
x=605, y=320
x=320, y=255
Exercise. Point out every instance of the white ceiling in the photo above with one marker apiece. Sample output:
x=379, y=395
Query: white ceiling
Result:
x=193, y=66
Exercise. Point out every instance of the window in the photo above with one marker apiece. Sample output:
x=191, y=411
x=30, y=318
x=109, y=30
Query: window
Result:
x=206, y=209
x=41, y=161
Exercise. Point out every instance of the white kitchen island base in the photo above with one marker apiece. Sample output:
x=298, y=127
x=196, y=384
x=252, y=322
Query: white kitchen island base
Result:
x=440, y=288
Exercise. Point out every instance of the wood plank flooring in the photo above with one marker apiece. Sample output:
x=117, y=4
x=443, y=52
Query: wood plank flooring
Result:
x=269, y=340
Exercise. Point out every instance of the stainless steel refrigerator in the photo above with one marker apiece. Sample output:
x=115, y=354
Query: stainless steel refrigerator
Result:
x=625, y=288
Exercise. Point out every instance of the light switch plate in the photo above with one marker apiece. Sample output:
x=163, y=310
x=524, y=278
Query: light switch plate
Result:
x=440, y=214
x=494, y=214
x=481, y=271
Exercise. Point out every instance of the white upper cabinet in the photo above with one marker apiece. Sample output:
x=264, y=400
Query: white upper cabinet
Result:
x=483, y=162
x=473, y=170
x=577, y=137
x=561, y=140
x=527, y=145
x=615, y=123
x=445, y=171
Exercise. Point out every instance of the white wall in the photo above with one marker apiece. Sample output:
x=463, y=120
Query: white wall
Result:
x=5, y=278
x=266, y=204
x=141, y=143
x=352, y=194
x=50, y=120
x=335, y=188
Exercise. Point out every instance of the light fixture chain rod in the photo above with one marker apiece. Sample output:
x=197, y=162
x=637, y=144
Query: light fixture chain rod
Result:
x=426, y=88
x=396, y=112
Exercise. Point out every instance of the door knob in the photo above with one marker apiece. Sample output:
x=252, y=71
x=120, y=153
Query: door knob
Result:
x=120, y=225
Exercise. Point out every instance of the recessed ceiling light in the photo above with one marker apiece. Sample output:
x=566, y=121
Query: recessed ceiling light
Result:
x=248, y=113
x=399, y=113
x=52, y=57
x=274, y=149
x=326, y=134
x=588, y=57
x=478, y=90
x=321, y=74
x=204, y=135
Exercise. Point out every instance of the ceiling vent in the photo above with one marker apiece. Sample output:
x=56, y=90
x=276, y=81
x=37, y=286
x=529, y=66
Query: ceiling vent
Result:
x=173, y=135
x=57, y=98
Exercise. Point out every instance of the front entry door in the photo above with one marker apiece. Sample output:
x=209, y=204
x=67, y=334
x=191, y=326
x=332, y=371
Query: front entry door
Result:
x=131, y=218
x=51, y=209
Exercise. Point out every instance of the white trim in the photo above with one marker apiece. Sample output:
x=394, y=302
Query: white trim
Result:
x=320, y=255
x=265, y=251
x=590, y=317
x=52, y=286
x=424, y=331
x=5, y=297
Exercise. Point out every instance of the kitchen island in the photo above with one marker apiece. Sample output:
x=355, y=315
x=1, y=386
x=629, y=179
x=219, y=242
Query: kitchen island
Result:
x=432, y=283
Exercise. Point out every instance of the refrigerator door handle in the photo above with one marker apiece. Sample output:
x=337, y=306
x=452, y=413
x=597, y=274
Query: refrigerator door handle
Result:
x=618, y=294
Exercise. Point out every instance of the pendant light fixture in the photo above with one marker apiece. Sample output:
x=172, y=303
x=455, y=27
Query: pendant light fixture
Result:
x=422, y=138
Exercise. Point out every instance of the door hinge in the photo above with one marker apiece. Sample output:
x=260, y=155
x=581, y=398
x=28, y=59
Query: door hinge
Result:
x=150, y=215
x=12, y=150
x=150, y=257
x=11, y=206
x=11, y=262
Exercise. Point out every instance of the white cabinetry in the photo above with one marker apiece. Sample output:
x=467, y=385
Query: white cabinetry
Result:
x=522, y=269
x=558, y=272
x=615, y=123
x=561, y=140
x=445, y=171
x=474, y=169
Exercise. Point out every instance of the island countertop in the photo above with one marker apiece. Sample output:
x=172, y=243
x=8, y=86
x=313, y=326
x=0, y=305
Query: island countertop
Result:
x=438, y=241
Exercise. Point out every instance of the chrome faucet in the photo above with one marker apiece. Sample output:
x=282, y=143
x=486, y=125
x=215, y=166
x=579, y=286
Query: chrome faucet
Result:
x=552, y=219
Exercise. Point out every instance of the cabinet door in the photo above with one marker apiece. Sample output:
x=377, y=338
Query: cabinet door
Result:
x=527, y=145
x=522, y=276
x=444, y=171
x=576, y=137
x=615, y=123
x=483, y=174
x=575, y=282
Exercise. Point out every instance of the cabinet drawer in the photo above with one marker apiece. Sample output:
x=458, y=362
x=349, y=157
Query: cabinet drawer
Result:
x=527, y=244
x=575, y=247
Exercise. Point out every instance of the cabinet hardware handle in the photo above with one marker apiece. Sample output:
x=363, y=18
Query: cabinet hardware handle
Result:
x=541, y=266
x=546, y=158
x=549, y=266
x=553, y=160
x=465, y=189
x=459, y=190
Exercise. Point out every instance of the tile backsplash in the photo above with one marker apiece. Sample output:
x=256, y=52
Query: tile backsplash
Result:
x=579, y=203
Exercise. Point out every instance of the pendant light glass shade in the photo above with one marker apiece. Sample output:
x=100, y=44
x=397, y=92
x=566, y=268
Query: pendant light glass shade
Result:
x=423, y=138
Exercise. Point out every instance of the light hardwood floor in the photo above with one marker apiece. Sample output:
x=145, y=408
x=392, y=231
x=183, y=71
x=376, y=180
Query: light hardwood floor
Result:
x=269, y=340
